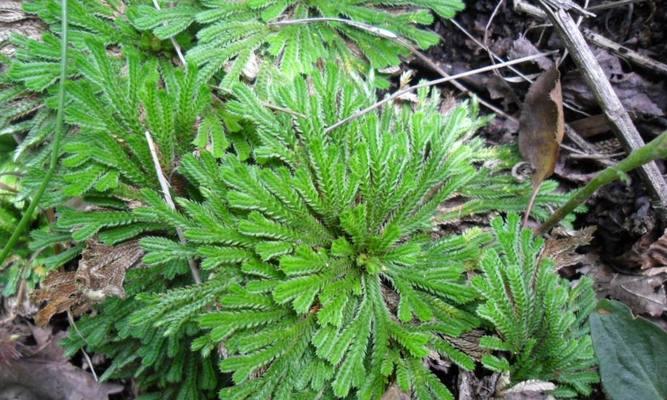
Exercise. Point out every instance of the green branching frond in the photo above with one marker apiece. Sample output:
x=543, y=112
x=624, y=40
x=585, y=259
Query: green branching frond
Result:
x=27, y=85
x=540, y=321
x=238, y=35
x=27, y=101
x=103, y=20
x=147, y=337
x=116, y=103
x=494, y=188
x=114, y=106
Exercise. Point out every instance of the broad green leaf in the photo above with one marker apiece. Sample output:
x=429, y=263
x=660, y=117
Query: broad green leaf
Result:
x=632, y=353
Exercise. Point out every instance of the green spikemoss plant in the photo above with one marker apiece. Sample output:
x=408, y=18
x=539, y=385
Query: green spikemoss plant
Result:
x=296, y=34
x=334, y=285
x=541, y=323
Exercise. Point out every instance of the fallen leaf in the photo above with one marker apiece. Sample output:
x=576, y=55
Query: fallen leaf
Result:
x=523, y=47
x=643, y=294
x=472, y=387
x=395, y=393
x=500, y=89
x=47, y=375
x=631, y=352
x=542, y=126
x=638, y=95
x=11, y=348
x=530, y=390
x=656, y=254
x=591, y=126
x=251, y=68
x=61, y=293
x=468, y=343
x=102, y=268
x=438, y=363
x=100, y=274
x=563, y=250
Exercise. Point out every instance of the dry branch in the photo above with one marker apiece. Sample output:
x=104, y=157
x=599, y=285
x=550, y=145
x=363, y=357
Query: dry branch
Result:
x=624, y=52
x=594, y=75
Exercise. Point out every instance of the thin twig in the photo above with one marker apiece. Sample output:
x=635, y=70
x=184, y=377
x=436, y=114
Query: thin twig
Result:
x=482, y=46
x=586, y=156
x=174, y=43
x=486, y=32
x=387, y=34
x=12, y=173
x=70, y=318
x=500, y=59
x=613, y=4
x=597, y=81
x=55, y=149
x=164, y=185
x=624, y=52
x=431, y=83
x=283, y=109
x=8, y=188
x=435, y=67
x=580, y=19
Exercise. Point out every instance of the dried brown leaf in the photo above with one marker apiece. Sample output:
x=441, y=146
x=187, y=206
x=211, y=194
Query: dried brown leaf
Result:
x=644, y=294
x=100, y=274
x=102, y=268
x=395, y=393
x=60, y=292
x=563, y=250
x=523, y=47
x=472, y=387
x=469, y=343
x=656, y=254
x=46, y=374
x=542, y=126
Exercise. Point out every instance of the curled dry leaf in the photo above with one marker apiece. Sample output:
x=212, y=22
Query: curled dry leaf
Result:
x=529, y=390
x=656, y=254
x=563, y=249
x=61, y=293
x=468, y=343
x=523, y=47
x=643, y=294
x=100, y=274
x=542, y=126
x=44, y=373
x=472, y=387
x=395, y=393
x=251, y=68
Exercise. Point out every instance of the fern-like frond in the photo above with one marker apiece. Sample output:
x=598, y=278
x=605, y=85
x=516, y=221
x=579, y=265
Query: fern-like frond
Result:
x=328, y=235
x=297, y=33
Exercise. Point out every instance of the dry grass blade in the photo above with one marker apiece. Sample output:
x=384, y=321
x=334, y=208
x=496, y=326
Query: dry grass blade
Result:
x=410, y=89
x=164, y=185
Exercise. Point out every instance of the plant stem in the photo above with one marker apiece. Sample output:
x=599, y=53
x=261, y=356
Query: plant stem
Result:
x=654, y=150
x=55, y=150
